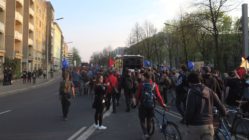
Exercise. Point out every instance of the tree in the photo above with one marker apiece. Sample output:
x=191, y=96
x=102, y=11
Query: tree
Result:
x=76, y=56
x=213, y=12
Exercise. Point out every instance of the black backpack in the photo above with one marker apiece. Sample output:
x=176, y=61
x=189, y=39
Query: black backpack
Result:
x=148, y=97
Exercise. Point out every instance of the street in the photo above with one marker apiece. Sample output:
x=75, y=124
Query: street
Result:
x=35, y=114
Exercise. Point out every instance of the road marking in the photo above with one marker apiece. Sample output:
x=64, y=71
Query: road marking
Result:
x=77, y=133
x=91, y=129
x=1, y=113
x=174, y=115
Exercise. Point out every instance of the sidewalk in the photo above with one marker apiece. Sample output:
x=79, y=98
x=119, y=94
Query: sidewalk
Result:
x=18, y=85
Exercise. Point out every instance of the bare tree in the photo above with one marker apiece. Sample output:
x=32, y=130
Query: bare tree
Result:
x=213, y=12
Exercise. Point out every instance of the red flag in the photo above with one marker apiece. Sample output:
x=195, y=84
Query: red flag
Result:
x=111, y=62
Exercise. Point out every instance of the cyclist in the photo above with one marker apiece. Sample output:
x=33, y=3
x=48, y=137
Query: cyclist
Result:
x=147, y=91
x=199, y=109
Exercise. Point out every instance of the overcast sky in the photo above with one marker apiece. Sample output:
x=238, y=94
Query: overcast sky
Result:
x=93, y=25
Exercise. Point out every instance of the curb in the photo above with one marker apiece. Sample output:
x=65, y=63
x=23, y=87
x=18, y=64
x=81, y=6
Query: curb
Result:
x=28, y=88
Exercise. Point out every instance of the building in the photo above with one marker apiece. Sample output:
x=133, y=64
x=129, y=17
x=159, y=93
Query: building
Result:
x=2, y=34
x=40, y=40
x=49, y=34
x=14, y=30
x=65, y=50
x=28, y=36
x=57, y=47
x=70, y=58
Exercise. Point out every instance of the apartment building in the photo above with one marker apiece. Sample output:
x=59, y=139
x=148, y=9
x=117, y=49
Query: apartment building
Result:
x=65, y=50
x=49, y=34
x=2, y=34
x=57, y=46
x=28, y=35
x=40, y=34
x=14, y=30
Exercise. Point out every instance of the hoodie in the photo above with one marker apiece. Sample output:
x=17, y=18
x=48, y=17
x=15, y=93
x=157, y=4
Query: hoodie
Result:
x=199, y=105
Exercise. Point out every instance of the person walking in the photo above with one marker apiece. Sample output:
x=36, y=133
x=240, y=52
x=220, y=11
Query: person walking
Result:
x=112, y=90
x=199, y=109
x=66, y=90
x=128, y=89
x=181, y=91
x=34, y=75
x=99, y=103
x=148, y=91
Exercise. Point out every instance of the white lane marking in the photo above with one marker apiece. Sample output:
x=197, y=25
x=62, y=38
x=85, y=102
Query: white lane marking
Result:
x=174, y=115
x=91, y=129
x=1, y=113
x=77, y=133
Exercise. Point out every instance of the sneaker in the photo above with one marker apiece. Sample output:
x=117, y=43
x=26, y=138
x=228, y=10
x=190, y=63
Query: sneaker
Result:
x=102, y=127
x=96, y=126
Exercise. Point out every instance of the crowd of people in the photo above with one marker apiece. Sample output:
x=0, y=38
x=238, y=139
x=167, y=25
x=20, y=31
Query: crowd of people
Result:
x=193, y=93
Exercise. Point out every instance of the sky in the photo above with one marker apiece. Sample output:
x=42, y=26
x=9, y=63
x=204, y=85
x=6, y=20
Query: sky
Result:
x=93, y=25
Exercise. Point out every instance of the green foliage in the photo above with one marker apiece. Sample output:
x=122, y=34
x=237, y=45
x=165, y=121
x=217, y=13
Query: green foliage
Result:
x=76, y=56
x=15, y=65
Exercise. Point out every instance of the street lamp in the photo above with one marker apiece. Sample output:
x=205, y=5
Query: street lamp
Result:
x=48, y=36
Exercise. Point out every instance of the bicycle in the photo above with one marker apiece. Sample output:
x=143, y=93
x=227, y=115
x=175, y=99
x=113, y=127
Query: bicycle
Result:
x=238, y=129
x=169, y=129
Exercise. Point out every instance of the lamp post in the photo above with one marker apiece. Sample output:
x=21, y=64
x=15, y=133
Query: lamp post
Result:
x=48, y=36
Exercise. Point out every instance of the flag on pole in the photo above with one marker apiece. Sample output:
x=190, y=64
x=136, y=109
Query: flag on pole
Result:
x=111, y=62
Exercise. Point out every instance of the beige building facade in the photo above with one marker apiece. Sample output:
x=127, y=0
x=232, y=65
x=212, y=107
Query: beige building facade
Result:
x=28, y=35
x=14, y=29
x=2, y=34
x=40, y=34
x=57, y=46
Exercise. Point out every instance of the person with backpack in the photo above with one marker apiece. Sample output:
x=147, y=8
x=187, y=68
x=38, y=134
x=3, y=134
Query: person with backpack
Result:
x=66, y=90
x=148, y=92
x=99, y=102
x=181, y=91
x=199, y=109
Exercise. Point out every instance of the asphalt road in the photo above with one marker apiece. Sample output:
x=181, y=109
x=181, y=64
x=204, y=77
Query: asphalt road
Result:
x=36, y=114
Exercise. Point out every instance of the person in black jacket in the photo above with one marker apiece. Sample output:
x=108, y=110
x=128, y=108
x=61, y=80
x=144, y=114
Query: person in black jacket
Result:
x=99, y=101
x=199, y=109
x=128, y=89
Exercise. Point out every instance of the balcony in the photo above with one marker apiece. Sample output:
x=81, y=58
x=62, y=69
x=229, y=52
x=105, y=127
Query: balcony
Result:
x=31, y=27
x=18, y=55
x=19, y=17
x=31, y=12
x=20, y=2
x=2, y=5
x=18, y=36
x=2, y=29
x=31, y=42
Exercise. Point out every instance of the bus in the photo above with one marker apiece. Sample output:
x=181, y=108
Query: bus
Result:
x=131, y=62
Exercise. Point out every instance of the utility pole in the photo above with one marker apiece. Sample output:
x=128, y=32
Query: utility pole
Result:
x=245, y=29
